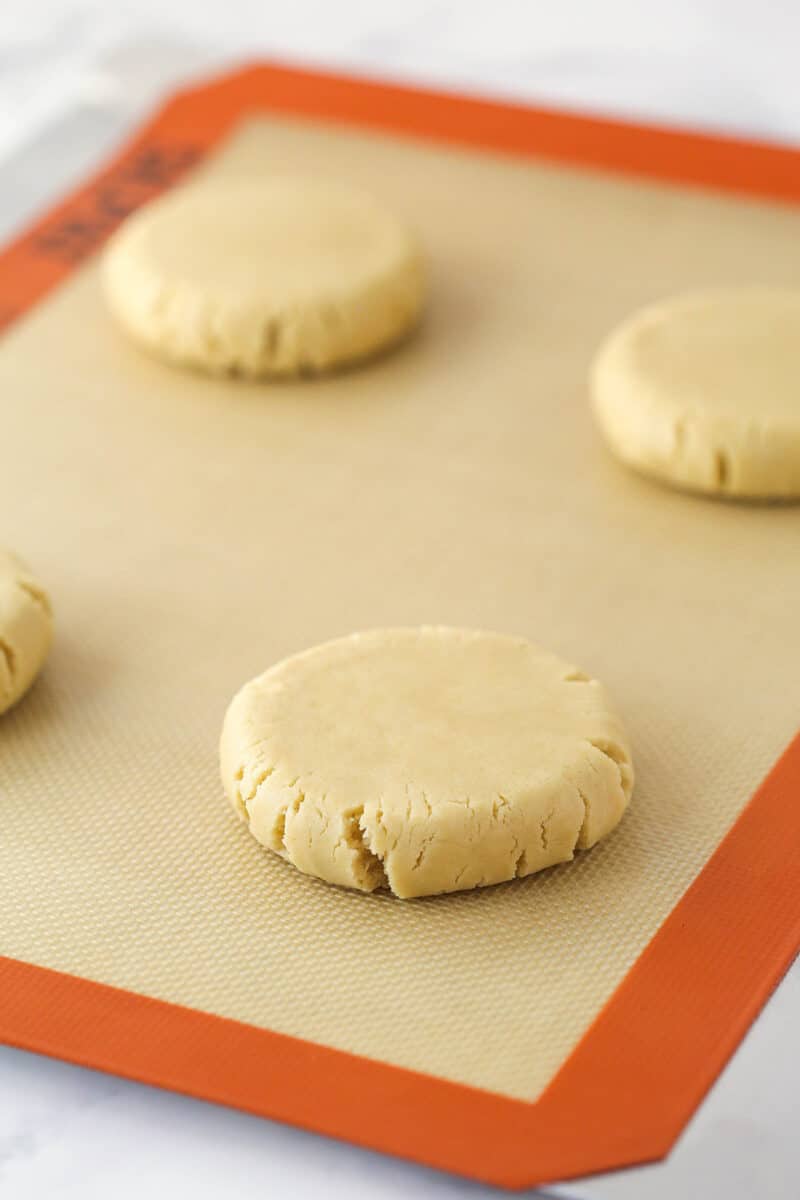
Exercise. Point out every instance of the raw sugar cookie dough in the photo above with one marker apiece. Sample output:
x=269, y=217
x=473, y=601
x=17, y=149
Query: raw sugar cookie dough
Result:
x=425, y=760
x=703, y=391
x=277, y=277
x=26, y=627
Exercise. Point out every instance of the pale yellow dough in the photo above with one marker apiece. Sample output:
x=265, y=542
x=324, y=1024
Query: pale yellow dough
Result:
x=273, y=277
x=425, y=760
x=26, y=627
x=703, y=391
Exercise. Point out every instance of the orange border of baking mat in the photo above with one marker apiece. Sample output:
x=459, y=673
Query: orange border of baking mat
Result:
x=627, y=1090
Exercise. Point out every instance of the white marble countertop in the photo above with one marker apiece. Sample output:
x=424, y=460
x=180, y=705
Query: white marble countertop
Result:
x=73, y=75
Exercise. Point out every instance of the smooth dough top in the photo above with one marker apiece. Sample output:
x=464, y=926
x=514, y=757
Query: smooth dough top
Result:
x=271, y=277
x=26, y=627
x=425, y=760
x=704, y=391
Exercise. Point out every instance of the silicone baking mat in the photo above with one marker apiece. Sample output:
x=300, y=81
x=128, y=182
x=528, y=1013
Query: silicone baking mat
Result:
x=192, y=531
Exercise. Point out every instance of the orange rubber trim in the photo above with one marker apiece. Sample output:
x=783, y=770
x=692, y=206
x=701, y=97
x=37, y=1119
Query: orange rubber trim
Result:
x=194, y=121
x=630, y=1086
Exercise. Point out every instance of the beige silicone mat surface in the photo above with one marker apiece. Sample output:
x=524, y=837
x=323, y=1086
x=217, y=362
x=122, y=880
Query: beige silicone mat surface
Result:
x=193, y=531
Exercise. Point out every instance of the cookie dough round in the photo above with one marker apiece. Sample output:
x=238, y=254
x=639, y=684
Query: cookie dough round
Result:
x=278, y=277
x=703, y=391
x=26, y=627
x=425, y=760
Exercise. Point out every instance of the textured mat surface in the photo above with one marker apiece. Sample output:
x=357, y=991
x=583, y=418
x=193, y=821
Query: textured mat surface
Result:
x=193, y=531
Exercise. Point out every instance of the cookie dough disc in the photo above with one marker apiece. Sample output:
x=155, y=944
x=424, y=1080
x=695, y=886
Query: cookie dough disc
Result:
x=425, y=760
x=26, y=626
x=276, y=277
x=703, y=391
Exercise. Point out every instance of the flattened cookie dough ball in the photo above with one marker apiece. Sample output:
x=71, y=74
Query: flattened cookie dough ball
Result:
x=278, y=277
x=703, y=391
x=425, y=760
x=26, y=629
